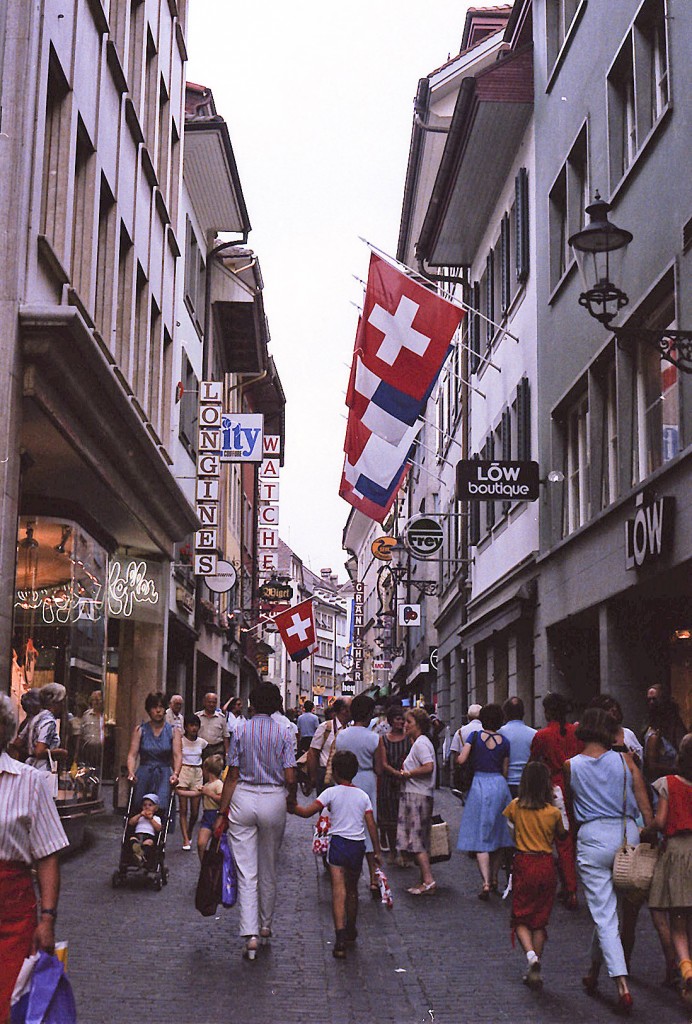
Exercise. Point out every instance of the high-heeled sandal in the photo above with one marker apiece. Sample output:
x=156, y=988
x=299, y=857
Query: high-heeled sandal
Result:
x=484, y=894
x=624, y=1004
x=265, y=935
x=250, y=948
x=590, y=983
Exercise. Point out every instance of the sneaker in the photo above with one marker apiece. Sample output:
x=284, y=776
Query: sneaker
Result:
x=532, y=978
x=186, y=846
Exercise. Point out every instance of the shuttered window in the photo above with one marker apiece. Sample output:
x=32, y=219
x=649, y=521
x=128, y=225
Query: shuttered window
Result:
x=521, y=187
x=506, y=283
x=489, y=297
x=523, y=421
x=475, y=326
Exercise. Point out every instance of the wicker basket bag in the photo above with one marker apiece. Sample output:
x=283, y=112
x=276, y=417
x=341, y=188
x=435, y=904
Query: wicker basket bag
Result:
x=633, y=866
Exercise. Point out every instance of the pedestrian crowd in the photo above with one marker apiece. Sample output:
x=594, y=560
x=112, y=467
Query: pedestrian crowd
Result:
x=547, y=809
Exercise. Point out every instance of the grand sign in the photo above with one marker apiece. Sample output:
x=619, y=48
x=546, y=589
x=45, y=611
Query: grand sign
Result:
x=480, y=480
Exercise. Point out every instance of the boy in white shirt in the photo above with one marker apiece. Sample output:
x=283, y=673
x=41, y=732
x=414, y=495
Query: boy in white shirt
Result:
x=350, y=811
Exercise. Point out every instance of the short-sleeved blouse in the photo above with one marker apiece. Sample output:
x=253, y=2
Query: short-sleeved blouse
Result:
x=361, y=742
x=486, y=759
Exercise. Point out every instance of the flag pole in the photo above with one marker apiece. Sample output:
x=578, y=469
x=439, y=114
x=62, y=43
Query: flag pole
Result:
x=447, y=295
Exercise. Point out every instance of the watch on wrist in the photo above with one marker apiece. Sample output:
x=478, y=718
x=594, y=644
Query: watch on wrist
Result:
x=50, y=911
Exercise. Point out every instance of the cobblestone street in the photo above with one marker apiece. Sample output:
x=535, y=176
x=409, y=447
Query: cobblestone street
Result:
x=135, y=954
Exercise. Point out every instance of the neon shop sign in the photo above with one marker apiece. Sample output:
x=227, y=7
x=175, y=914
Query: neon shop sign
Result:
x=132, y=592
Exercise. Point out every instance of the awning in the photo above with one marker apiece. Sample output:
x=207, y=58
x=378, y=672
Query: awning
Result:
x=241, y=334
x=521, y=605
x=489, y=122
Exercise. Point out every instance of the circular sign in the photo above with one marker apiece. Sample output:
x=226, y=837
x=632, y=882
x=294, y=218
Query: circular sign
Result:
x=423, y=536
x=347, y=661
x=382, y=548
x=224, y=578
x=433, y=659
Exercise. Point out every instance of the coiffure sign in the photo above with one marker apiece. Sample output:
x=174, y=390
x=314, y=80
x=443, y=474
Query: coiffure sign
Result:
x=480, y=480
x=648, y=536
x=133, y=592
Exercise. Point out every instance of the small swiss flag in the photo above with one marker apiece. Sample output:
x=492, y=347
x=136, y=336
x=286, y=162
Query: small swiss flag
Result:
x=297, y=629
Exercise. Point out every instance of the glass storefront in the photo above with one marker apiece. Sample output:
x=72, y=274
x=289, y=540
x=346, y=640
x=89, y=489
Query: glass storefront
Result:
x=60, y=629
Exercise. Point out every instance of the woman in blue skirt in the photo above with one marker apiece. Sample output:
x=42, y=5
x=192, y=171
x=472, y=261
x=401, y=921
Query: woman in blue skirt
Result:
x=484, y=830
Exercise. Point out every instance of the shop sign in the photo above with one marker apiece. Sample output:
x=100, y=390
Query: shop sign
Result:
x=241, y=437
x=649, y=535
x=381, y=665
x=184, y=599
x=423, y=536
x=348, y=688
x=275, y=591
x=480, y=480
x=268, y=509
x=210, y=416
x=433, y=659
x=224, y=579
x=382, y=548
x=409, y=615
x=132, y=589
x=357, y=623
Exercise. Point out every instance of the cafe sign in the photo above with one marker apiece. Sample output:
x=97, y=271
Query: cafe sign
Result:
x=483, y=480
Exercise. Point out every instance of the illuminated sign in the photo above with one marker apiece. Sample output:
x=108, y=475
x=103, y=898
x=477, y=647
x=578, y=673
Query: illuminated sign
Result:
x=133, y=592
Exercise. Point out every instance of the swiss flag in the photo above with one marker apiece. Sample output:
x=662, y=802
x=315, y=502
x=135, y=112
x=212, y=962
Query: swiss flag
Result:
x=297, y=629
x=405, y=330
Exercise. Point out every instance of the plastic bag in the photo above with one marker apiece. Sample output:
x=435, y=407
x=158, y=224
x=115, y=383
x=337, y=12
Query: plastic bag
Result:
x=42, y=994
x=209, y=886
x=320, y=837
x=229, y=877
x=385, y=891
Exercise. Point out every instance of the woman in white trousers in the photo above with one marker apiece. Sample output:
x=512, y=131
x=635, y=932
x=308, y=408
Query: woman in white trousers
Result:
x=259, y=788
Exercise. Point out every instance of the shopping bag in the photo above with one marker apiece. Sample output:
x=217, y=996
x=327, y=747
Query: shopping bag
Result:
x=229, y=877
x=45, y=996
x=320, y=837
x=440, y=849
x=209, y=886
x=385, y=891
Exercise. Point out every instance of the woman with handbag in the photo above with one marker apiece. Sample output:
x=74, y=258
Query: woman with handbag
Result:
x=605, y=791
x=417, y=796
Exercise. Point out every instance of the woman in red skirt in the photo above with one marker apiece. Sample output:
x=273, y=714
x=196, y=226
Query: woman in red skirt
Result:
x=537, y=823
x=554, y=745
x=30, y=834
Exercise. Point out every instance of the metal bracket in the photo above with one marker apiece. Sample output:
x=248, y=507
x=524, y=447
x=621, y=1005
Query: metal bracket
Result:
x=674, y=346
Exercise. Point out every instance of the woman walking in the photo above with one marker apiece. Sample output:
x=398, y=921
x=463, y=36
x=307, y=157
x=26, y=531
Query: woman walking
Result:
x=157, y=746
x=253, y=806
x=396, y=746
x=484, y=830
x=43, y=739
x=554, y=745
x=368, y=747
x=606, y=791
x=416, y=801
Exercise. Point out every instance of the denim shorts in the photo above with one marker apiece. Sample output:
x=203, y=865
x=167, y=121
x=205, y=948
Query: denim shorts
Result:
x=346, y=853
x=208, y=819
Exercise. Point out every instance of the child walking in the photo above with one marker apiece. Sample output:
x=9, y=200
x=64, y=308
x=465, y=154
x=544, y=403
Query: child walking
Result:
x=147, y=825
x=350, y=811
x=537, y=823
x=671, y=886
x=190, y=779
x=212, y=770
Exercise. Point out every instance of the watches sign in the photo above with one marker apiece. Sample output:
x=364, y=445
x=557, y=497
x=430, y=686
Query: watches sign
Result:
x=481, y=480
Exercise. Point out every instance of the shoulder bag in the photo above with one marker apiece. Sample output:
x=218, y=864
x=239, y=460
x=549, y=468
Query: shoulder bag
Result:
x=328, y=774
x=633, y=866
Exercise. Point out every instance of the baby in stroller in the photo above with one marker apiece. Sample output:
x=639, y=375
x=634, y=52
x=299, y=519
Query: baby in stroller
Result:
x=147, y=825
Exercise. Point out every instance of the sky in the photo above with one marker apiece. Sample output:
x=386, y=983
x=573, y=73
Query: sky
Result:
x=318, y=98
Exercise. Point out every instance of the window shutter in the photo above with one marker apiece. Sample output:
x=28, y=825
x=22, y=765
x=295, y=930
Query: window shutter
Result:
x=505, y=263
x=474, y=508
x=523, y=420
x=506, y=448
x=521, y=187
x=489, y=297
x=475, y=326
x=490, y=505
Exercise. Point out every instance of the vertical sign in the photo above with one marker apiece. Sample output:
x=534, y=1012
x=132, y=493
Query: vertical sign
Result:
x=358, y=623
x=208, y=473
x=268, y=511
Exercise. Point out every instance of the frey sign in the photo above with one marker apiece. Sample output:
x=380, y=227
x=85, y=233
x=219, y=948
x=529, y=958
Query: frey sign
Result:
x=480, y=480
x=241, y=437
x=648, y=535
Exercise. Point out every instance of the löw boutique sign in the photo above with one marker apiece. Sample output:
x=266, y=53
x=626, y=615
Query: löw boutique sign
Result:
x=498, y=480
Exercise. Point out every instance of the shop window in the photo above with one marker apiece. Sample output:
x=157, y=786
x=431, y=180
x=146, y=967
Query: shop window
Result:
x=56, y=166
x=576, y=426
x=187, y=430
x=559, y=17
x=656, y=403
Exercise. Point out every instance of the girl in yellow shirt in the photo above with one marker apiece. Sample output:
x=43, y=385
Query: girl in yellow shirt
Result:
x=537, y=822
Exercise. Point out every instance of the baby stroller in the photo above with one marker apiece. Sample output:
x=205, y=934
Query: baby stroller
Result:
x=154, y=869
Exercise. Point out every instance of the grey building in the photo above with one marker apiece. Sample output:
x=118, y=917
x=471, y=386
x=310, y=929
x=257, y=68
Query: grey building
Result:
x=613, y=114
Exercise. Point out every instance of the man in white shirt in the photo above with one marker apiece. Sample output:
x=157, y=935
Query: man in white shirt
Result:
x=461, y=735
x=174, y=712
x=320, y=748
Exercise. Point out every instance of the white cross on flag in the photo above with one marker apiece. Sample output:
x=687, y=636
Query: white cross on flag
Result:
x=297, y=628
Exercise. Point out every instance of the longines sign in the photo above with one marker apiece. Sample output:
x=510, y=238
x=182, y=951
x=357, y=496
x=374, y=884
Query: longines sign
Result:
x=479, y=480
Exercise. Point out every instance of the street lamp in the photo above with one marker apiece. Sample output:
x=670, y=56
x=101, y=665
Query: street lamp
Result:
x=599, y=250
x=398, y=567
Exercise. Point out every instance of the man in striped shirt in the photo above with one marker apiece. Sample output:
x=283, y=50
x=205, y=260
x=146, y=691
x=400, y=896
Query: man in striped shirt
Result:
x=30, y=834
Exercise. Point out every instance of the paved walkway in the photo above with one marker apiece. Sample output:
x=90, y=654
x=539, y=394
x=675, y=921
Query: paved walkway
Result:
x=136, y=955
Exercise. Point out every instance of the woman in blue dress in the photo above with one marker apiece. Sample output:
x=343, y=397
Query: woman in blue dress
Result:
x=368, y=748
x=159, y=749
x=484, y=831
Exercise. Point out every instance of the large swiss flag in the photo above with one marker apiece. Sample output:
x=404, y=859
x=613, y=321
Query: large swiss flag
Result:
x=297, y=629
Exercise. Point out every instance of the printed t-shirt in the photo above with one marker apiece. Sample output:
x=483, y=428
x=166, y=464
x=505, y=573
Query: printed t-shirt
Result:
x=347, y=806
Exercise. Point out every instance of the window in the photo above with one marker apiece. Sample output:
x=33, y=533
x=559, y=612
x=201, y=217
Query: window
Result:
x=55, y=163
x=568, y=201
x=521, y=207
x=125, y=293
x=163, y=152
x=103, y=307
x=135, y=60
x=474, y=328
x=559, y=250
x=505, y=265
x=174, y=177
x=638, y=87
x=656, y=421
x=151, y=97
x=576, y=508
x=609, y=478
x=523, y=418
x=489, y=283
x=559, y=17
x=155, y=366
x=166, y=387
x=188, y=413
x=195, y=278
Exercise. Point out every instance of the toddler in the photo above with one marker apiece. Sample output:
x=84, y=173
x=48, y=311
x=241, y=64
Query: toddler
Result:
x=210, y=792
x=147, y=825
x=350, y=811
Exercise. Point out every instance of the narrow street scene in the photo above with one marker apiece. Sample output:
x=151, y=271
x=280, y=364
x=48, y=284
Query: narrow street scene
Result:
x=345, y=490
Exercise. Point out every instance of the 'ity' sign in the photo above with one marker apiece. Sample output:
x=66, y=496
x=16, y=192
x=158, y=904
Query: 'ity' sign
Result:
x=480, y=480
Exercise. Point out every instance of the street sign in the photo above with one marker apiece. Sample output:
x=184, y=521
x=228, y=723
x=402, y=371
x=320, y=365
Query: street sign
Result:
x=423, y=536
x=224, y=578
x=409, y=615
x=275, y=591
x=480, y=480
x=382, y=548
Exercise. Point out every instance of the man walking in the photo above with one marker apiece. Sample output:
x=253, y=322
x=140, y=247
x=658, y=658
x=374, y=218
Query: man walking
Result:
x=307, y=726
x=174, y=712
x=520, y=736
x=213, y=727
